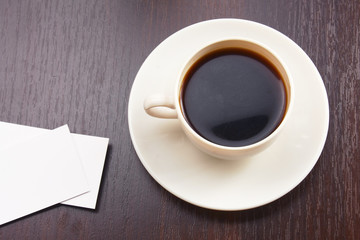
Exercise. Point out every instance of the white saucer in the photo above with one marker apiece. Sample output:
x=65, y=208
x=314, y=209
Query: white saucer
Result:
x=204, y=181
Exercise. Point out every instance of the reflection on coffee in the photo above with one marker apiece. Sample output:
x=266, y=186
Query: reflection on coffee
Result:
x=233, y=97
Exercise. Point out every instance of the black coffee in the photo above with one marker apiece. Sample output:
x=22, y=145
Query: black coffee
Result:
x=233, y=97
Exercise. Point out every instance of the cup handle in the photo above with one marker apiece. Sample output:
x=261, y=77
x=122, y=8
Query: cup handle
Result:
x=160, y=106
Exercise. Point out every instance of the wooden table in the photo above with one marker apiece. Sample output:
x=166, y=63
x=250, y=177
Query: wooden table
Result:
x=75, y=61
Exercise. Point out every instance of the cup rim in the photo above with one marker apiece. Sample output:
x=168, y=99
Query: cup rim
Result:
x=272, y=135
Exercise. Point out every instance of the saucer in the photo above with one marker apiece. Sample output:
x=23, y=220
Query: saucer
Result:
x=199, y=179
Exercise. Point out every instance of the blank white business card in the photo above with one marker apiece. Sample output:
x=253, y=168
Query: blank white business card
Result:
x=39, y=172
x=91, y=150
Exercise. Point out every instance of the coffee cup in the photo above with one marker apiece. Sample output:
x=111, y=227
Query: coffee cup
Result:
x=232, y=98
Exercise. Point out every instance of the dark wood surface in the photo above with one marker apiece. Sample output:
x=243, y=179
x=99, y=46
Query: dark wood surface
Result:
x=75, y=61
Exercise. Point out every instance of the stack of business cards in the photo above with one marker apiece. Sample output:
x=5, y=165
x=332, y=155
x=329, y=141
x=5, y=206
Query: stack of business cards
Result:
x=40, y=168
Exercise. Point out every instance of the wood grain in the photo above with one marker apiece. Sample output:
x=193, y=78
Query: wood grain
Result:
x=75, y=61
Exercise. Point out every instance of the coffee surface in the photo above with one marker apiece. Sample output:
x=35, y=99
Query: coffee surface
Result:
x=233, y=97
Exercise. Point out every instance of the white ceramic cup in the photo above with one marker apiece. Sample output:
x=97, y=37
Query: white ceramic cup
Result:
x=169, y=107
